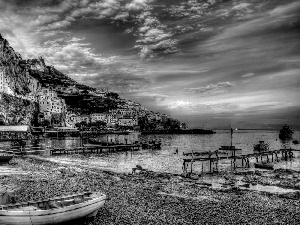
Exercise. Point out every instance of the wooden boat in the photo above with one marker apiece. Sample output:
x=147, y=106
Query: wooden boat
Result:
x=261, y=147
x=205, y=155
x=268, y=166
x=5, y=157
x=52, y=211
x=285, y=132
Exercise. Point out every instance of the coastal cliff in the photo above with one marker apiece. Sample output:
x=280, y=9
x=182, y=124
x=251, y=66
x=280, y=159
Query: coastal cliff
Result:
x=33, y=93
x=15, y=109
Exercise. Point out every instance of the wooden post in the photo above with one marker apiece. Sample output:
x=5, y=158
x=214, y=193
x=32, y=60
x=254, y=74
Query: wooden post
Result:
x=285, y=155
x=192, y=161
x=209, y=162
x=272, y=157
x=234, y=160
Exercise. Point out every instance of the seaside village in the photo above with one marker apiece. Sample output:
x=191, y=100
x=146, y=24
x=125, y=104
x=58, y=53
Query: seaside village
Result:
x=51, y=103
x=38, y=187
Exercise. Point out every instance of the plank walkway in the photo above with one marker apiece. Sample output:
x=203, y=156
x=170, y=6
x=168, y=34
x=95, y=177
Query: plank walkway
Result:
x=215, y=156
x=90, y=148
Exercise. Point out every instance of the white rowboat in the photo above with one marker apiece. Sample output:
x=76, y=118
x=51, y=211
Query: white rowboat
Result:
x=52, y=211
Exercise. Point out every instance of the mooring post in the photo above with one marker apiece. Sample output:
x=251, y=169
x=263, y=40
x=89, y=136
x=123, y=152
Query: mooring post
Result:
x=285, y=155
x=272, y=157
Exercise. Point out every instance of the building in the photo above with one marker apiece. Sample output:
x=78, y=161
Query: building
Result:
x=86, y=118
x=72, y=119
x=98, y=117
x=50, y=104
x=128, y=122
x=100, y=93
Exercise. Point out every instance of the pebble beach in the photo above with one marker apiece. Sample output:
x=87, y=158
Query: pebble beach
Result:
x=148, y=197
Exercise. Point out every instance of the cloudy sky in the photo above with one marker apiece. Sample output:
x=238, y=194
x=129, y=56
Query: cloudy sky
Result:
x=211, y=62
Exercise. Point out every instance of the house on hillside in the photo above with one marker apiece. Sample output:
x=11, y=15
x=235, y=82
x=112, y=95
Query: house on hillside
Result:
x=98, y=117
x=127, y=122
x=50, y=104
x=86, y=118
x=100, y=93
x=111, y=119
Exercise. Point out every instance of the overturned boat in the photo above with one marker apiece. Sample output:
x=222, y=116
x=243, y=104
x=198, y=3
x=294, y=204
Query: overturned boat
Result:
x=52, y=211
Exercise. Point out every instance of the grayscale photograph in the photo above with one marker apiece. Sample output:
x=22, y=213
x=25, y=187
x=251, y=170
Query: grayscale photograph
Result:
x=171, y=112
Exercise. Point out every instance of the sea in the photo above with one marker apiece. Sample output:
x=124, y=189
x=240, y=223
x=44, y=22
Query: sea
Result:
x=170, y=157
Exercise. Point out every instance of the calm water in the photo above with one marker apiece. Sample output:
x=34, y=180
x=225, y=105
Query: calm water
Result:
x=165, y=160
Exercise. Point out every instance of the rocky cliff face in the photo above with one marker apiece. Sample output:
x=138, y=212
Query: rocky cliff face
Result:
x=11, y=64
x=13, y=109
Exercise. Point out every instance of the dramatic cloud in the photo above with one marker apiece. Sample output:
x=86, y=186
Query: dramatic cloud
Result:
x=161, y=48
x=206, y=59
x=248, y=75
x=211, y=88
x=138, y=5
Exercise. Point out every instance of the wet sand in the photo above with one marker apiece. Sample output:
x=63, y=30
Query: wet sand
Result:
x=160, y=198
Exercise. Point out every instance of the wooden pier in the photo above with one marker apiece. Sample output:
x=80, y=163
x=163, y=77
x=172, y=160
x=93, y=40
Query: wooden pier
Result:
x=213, y=157
x=90, y=148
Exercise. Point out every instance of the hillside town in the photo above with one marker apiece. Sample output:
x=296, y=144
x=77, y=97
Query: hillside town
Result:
x=65, y=103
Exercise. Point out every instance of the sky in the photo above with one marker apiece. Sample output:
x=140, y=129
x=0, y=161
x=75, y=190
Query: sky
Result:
x=217, y=63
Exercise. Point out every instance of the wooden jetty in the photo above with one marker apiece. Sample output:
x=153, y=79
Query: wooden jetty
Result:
x=90, y=148
x=213, y=157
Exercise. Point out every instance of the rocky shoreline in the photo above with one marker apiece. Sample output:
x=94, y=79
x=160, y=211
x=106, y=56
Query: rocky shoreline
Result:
x=146, y=197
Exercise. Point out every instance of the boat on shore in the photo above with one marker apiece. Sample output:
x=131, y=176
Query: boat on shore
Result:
x=261, y=147
x=285, y=132
x=52, y=211
x=5, y=157
x=154, y=144
x=264, y=165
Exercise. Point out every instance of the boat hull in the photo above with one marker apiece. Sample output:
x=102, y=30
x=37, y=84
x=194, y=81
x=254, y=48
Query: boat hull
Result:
x=285, y=136
x=5, y=158
x=51, y=216
x=264, y=166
